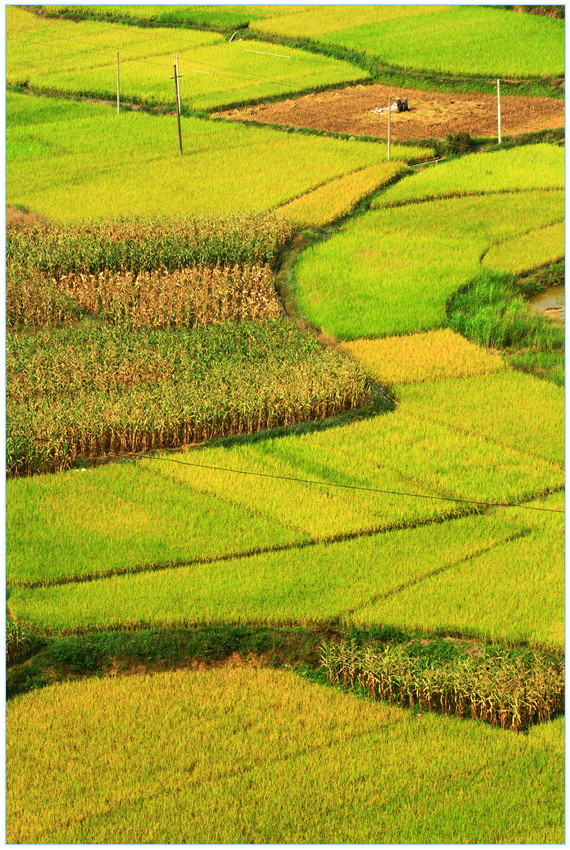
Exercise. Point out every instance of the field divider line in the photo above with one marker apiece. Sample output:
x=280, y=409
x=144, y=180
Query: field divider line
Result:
x=456, y=429
x=373, y=531
x=387, y=594
x=231, y=774
x=449, y=196
x=248, y=553
x=224, y=498
x=518, y=236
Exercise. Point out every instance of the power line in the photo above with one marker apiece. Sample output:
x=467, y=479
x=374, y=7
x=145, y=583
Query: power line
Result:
x=353, y=486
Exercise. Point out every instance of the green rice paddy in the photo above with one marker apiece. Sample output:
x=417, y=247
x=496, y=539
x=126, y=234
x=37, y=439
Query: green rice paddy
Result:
x=353, y=284
x=470, y=40
x=113, y=165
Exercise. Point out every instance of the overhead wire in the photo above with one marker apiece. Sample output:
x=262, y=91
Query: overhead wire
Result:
x=350, y=486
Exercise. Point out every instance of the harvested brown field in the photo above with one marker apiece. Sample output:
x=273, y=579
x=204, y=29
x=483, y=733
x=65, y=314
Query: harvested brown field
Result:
x=432, y=115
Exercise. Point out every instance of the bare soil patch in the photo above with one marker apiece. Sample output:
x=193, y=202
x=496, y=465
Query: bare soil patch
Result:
x=16, y=217
x=432, y=115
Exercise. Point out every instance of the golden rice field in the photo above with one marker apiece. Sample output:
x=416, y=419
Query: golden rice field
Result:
x=335, y=199
x=432, y=356
x=197, y=765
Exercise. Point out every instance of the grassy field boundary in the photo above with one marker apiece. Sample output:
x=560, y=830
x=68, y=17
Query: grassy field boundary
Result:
x=449, y=196
x=308, y=651
x=442, y=569
x=330, y=540
x=518, y=236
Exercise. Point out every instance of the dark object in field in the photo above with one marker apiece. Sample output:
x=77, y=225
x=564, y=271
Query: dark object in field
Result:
x=397, y=106
x=459, y=142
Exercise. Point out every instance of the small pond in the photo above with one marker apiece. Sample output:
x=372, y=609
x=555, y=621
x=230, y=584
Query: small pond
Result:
x=550, y=302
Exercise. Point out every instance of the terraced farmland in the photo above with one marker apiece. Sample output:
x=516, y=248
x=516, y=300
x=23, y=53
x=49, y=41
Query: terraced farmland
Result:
x=267, y=408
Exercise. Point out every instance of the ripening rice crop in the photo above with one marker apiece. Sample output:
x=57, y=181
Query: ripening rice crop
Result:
x=392, y=270
x=513, y=592
x=451, y=39
x=311, y=22
x=538, y=166
x=431, y=356
x=511, y=691
x=397, y=453
x=260, y=756
x=336, y=198
x=297, y=585
x=94, y=391
x=226, y=167
x=147, y=299
x=509, y=408
x=80, y=57
x=529, y=251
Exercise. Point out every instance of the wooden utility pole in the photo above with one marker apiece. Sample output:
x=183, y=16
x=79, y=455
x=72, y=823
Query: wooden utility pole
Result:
x=118, y=86
x=176, y=79
x=389, y=124
x=178, y=88
x=499, y=111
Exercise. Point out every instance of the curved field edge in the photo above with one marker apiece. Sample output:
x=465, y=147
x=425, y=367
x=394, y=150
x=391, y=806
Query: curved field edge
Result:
x=313, y=733
x=366, y=261
x=389, y=73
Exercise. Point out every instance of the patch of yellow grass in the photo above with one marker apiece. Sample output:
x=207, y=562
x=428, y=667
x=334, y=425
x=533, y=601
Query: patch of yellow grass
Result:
x=337, y=197
x=431, y=356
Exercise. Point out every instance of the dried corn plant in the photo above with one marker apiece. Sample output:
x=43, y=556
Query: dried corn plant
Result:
x=501, y=688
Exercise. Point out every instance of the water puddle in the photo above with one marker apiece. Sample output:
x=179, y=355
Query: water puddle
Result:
x=550, y=302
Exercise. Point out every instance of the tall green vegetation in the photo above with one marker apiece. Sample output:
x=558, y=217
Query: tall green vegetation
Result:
x=89, y=392
x=493, y=311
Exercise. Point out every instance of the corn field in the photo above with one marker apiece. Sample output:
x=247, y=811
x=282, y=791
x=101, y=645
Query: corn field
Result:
x=141, y=245
x=78, y=393
x=159, y=298
x=512, y=692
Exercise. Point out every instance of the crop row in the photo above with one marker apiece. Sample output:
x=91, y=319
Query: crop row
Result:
x=147, y=245
x=147, y=299
x=512, y=692
x=89, y=392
